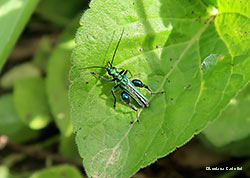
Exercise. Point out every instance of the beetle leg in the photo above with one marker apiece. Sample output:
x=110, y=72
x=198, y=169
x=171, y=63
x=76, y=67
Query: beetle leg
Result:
x=125, y=98
x=128, y=71
x=139, y=83
x=121, y=72
x=125, y=72
x=113, y=93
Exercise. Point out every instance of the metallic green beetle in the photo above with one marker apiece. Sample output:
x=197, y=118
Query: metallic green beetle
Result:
x=128, y=87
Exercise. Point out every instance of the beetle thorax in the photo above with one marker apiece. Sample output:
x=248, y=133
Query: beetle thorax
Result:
x=112, y=71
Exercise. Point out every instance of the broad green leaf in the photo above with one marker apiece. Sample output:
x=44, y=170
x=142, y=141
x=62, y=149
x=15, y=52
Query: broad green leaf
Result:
x=14, y=15
x=62, y=171
x=175, y=46
x=24, y=70
x=31, y=102
x=234, y=122
x=57, y=83
x=9, y=119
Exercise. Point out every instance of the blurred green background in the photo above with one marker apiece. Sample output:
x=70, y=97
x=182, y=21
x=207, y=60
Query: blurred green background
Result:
x=36, y=138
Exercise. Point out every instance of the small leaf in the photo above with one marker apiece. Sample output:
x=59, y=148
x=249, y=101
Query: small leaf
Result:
x=233, y=123
x=64, y=13
x=14, y=14
x=31, y=102
x=61, y=171
x=68, y=148
x=24, y=70
x=41, y=56
x=166, y=43
x=233, y=25
x=237, y=148
x=9, y=119
x=4, y=172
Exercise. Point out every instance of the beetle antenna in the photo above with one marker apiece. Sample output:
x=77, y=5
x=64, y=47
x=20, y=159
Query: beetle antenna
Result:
x=109, y=45
x=92, y=67
x=110, y=64
x=117, y=46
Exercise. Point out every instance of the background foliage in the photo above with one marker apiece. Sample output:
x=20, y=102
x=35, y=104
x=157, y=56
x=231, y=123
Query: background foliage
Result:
x=196, y=51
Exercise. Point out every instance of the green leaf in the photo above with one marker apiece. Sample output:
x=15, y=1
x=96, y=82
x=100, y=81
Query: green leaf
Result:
x=40, y=59
x=31, y=102
x=61, y=171
x=237, y=148
x=174, y=46
x=236, y=31
x=233, y=124
x=4, y=172
x=14, y=15
x=68, y=148
x=57, y=83
x=211, y=2
x=9, y=119
x=24, y=70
